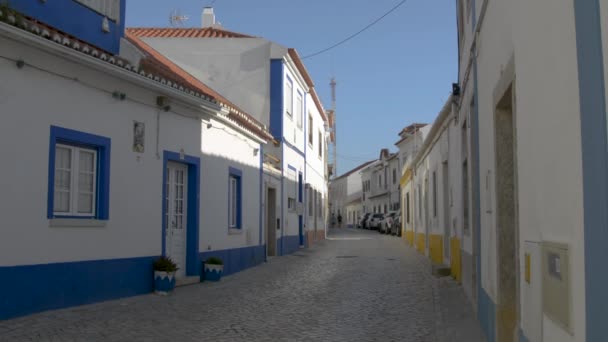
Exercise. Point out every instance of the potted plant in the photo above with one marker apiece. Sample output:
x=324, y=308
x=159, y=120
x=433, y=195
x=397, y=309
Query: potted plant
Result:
x=164, y=275
x=213, y=269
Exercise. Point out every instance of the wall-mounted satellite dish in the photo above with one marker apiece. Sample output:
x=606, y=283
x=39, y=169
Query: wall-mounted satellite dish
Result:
x=176, y=19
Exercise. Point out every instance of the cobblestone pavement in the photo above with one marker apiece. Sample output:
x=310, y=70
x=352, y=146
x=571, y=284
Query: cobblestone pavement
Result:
x=355, y=286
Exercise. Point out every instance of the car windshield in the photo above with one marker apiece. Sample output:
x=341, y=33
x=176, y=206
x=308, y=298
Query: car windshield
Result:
x=378, y=215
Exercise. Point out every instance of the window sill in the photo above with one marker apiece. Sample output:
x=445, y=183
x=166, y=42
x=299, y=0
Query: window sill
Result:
x=235, y=231
x=76, y=222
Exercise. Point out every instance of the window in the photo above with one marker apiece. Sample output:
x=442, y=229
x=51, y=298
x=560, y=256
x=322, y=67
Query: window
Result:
x=385, y=177
x=234, y=198
x=320, y=208
x=291, y=204
x=407, y=207
x=75, y=178
x=310, y=130
x=289, y=98
x=394, y=176
x=79, y=174
x=320, y=144
x=299, y=110
x=108, y=8
x=379, y=181
x=419, y=202
x=385, y=208
x=310, y=200
x=434, y=194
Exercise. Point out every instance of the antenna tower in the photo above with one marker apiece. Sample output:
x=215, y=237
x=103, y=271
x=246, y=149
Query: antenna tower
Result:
x=333, y=83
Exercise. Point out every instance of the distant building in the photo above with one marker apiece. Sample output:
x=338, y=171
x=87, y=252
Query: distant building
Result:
x=345, y=196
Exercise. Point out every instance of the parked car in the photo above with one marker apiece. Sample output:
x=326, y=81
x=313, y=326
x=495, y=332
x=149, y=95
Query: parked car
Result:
x=376, y=219
x=387, y=222
x=396, y=228
x=363, y=220
x=368, y=221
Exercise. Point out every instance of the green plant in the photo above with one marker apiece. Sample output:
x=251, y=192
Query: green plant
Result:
x=214, y=261
x=165, y=264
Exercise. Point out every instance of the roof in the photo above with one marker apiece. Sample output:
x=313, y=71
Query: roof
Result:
x=212, y=32
x=355, y=169
x=408, y=131
x=181, y=32
x=154, y=68
x=157, y=63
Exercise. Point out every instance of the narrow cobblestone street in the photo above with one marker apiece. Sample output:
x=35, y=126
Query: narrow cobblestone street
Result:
x=355, y=286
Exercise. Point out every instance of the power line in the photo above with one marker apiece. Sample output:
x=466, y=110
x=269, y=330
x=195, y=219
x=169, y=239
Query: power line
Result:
x=356, y=33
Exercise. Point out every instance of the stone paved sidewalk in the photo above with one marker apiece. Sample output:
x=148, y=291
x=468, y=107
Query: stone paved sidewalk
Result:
x=356, y=286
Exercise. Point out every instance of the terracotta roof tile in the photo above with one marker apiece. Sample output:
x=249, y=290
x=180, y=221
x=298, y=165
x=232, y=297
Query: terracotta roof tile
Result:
x=173, y=32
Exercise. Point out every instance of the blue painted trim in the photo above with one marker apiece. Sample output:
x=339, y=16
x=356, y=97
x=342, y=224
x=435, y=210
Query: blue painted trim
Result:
x=276, y=98
x=237, y=259
x=475, y=183
x=289, y=166
x=305, y=160
x=103, y=147
x=297, y=150
x=300, y=217
x=238, y=175
x=83, y=23
x=473, y=16
x=594, y=162
x=283, y=204
x=487, y=315
x=291, y=243
x=33, y=288
x=261, y=200
x=193, y=218
x=522, y=336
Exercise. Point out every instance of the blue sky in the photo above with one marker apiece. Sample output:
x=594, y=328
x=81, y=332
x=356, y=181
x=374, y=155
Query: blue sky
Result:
x=398, y=72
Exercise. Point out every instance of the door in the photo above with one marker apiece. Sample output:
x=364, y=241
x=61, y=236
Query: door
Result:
x=300, y=202
x=446, y=211
x=271, y=218
x=176, y=214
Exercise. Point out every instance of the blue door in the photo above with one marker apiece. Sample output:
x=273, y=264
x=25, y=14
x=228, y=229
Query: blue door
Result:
x=300, y=217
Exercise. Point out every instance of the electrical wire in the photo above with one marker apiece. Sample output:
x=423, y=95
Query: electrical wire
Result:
x=356, y=33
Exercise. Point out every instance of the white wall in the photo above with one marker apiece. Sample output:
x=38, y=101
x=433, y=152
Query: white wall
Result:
x=549, y=150
x=291, y=132
x=290, y=183
x=237, y=68
x=216, y=159
x=134, y=226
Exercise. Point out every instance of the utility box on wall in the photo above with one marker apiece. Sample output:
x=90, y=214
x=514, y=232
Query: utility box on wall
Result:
x=556, y=283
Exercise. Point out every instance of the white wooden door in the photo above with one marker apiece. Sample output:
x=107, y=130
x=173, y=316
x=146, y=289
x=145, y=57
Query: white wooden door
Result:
x=176, y=215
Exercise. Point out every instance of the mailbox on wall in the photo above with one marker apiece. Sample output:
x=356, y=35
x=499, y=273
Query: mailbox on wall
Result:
x=556, y=283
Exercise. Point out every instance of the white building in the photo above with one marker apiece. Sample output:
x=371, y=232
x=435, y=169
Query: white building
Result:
x=380, y=183
x=125, y=160
x=345, y=196
x=532, y=88
x=271, y=83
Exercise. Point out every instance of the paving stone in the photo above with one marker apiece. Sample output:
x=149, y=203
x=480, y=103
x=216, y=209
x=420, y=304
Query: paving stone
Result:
x=356, y=286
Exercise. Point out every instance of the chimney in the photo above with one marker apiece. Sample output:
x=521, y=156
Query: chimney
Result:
x=208, y=17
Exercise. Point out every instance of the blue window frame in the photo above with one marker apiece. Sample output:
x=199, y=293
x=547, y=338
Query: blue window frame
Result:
x=235, y=198
x=79, y=163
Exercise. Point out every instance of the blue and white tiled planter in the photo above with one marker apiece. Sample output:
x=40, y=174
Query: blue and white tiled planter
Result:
x=213, y=272
x=164, y=282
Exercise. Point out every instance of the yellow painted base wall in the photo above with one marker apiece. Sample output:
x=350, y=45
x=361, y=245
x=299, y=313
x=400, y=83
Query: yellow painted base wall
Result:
x=436, y=248
x=421, y=242
x=409, y=237
x=455, y=260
